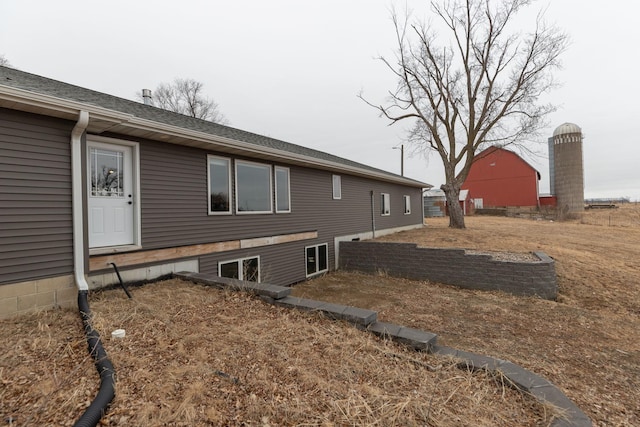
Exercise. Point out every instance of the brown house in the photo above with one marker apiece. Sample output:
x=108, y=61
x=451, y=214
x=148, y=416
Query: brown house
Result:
x=88, y=179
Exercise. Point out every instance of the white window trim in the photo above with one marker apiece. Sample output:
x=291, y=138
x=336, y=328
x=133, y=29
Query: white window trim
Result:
x=407, y=204
x=239, y=260
x=276, y=169
x=305, y=259
x=228, y=160
x=245, y=162
x=385, y=208
x=337, y=195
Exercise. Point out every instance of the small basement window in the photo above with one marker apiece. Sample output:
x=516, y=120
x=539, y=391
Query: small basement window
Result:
x=407, y=204
x=385, y=204
x=317, y=259
x=243, y=269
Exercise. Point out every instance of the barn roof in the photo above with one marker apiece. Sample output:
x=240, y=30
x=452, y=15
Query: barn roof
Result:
x=109, y=114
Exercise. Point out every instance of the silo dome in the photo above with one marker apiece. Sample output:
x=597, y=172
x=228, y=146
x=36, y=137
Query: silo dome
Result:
x=567, y=128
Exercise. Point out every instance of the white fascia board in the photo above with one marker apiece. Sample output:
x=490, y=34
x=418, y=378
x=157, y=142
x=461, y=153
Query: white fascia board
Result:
x=65, y=106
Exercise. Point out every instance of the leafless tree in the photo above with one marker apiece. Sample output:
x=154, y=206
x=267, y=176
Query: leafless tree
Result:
x=4, y=61
x=186, y=96
x=476, y=82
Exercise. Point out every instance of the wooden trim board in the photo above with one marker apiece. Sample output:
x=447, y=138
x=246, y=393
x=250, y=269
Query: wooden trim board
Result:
x=101, y=262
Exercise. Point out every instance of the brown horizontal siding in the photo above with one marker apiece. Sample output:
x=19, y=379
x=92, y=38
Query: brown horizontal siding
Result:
x=43, y=269
x=26, y=193
x=279, y=264
x=173, y=199
x=55, y=215
x=174, y=211
x=15, y=245
x=20, y=146
x=27, y=227
x=21, y=186
x=35, y=194
x=13, y=260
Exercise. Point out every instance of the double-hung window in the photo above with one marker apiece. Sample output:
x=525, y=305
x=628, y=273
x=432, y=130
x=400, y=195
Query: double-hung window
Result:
x=244, y=269
x=317, y=259
x=407, y=204
x=253, y=188
x=385, y=204
x=283, y=192
x=219, y=185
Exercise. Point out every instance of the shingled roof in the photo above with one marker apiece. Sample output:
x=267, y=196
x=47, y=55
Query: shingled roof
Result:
x=23, y=81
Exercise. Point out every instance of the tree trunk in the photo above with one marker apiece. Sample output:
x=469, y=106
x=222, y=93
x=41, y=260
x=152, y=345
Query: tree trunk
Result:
x=456, y=216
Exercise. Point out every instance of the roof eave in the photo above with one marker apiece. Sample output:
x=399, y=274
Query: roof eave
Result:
x=105, y=120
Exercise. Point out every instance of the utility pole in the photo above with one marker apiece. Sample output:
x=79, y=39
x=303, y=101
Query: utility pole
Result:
x=401, y=148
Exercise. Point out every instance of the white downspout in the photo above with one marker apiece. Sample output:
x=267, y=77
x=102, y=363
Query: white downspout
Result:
x=77, y=187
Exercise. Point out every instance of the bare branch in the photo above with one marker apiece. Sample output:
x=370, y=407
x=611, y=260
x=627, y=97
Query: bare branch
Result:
x=5, y=62
x=476, y=83
x=186, y=96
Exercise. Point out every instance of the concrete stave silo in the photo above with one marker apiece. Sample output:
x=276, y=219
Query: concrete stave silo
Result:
x=568, y=170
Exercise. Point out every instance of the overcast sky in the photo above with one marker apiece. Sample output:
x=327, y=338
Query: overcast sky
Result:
x=293, y=69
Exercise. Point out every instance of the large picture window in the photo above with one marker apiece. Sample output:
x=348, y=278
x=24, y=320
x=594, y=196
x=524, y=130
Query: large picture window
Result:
x=219, y=185
x=253, y=188
x=243, y=269
x=283, y=193
x=317, y=259
x=385, y=204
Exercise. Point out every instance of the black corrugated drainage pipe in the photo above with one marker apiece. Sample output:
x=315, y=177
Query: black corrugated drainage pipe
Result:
x=106, y=393
x=115, y=267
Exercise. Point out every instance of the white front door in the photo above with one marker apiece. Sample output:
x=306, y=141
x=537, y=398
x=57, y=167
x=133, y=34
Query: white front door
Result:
x=111, y=197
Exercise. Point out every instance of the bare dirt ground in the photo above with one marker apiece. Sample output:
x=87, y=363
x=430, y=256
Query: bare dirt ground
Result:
x=196, y=356
x=587, y=343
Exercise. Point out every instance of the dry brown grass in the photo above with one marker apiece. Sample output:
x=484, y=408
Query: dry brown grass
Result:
x=200, y=356
x=196, y=356
x=44, y=364
x=587, y=343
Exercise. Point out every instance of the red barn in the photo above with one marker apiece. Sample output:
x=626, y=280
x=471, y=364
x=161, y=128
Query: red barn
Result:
x=500, y=178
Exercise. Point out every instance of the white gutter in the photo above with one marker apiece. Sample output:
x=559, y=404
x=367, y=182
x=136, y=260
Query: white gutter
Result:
x=69, y=107
x=77, y=186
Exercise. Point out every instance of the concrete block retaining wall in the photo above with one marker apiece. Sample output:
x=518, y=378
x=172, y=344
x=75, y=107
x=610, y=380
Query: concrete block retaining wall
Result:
x=453, y=267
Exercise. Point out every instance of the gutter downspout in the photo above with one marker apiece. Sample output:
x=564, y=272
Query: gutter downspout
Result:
x=373, y=216
x=92, y=415
x=77, y=188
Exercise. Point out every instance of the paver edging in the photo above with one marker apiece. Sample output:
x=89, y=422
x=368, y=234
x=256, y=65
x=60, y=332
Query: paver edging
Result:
x=521, y=379
x=525, y=381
